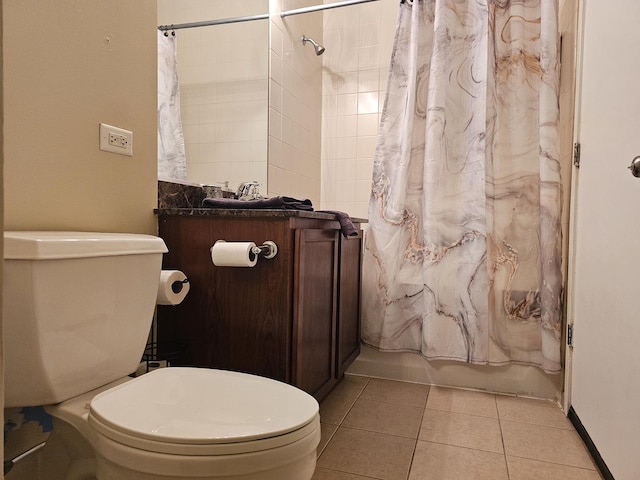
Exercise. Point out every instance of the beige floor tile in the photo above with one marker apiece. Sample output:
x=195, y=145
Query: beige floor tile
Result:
x=470, y=431
x=525, y=469
x=351, y=385
x=326, y=432
x=536, y=412
x=435, y=461
x=370, y=454
x=326, y=474
x=335, y=407
x=413, y=394
x=547, y=444
x=383, y=417
x=462, y=401
x=460, y=437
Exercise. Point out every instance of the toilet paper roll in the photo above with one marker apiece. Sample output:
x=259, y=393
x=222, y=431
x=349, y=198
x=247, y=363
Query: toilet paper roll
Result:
x=173, y=287
x=233, y=254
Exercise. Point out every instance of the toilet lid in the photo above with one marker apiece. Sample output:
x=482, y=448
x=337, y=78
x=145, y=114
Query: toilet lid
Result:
x=198, y=406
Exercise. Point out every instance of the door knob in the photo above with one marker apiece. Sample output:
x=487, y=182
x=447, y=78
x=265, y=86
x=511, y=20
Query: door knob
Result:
x=635, y=166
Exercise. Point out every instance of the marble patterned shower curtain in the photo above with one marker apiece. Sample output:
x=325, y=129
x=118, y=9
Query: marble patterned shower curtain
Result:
x=172, y=162
x=463, y=252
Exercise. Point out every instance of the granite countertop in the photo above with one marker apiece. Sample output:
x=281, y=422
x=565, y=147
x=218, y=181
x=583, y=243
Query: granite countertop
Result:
x=177, y=198
x=237, y=212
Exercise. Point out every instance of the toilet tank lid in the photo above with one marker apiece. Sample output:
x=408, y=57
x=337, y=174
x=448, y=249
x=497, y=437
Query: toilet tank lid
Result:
x=48, y=245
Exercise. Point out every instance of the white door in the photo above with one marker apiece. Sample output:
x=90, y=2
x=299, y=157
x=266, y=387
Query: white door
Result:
x=605, y=302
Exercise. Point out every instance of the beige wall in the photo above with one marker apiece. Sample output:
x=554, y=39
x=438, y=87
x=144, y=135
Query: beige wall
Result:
x=1, y=237
x=69, y=65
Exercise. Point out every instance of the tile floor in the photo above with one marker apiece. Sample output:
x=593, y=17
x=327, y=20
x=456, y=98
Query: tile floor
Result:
x=388, y=430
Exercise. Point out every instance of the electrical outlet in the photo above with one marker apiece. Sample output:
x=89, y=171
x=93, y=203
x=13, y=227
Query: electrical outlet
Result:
x=116, y=140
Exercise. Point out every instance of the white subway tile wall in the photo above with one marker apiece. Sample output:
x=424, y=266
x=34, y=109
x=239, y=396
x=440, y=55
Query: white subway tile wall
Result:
x=358, y=41
x=295, y=106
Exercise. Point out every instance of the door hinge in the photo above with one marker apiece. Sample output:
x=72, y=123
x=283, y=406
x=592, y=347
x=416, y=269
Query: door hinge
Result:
x=570, y=335
x=576, y=154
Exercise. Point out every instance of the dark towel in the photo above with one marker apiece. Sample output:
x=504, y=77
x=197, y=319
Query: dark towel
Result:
x=346, y=225
x=277, y=203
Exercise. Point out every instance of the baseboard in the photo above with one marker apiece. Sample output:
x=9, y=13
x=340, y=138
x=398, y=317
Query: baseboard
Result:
x=575, y=420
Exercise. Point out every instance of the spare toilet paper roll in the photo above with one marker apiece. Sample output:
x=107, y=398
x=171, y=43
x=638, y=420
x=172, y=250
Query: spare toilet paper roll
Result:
x=233, y=254
x=173, y=287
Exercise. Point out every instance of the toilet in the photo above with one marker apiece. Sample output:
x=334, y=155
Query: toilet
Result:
x=77, y=313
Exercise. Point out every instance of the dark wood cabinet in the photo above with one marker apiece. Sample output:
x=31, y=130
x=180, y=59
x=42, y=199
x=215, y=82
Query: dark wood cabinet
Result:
x=295, y=317
x=349, y=281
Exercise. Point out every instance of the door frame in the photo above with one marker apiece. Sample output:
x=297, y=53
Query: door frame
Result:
x=573, y=213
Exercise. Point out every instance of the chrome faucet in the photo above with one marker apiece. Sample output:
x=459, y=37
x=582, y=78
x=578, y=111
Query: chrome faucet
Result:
x=249, y=191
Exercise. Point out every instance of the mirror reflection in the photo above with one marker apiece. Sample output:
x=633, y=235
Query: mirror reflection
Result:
x=223, y=82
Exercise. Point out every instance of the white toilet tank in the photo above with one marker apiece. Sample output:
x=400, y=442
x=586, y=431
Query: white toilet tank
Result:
x=77, y=309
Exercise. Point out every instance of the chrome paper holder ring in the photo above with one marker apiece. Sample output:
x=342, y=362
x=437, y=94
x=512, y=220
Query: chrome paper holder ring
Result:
x=635, y=166
x=268, y=249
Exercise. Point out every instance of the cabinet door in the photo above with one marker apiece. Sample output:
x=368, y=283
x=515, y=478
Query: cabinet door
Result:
x=314, y=304
x=348, y=328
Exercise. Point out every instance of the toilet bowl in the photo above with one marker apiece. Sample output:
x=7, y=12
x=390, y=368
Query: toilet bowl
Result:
x=81, y=305
x=181, y=422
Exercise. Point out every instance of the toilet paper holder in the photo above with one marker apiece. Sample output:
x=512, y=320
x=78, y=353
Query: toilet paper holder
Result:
x=177, y=286
x=268, y=249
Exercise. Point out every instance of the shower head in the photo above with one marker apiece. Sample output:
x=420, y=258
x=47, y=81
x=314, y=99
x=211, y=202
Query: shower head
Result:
x=318, y=48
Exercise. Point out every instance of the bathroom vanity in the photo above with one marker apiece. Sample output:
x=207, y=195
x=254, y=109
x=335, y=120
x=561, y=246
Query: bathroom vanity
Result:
x=295, y=317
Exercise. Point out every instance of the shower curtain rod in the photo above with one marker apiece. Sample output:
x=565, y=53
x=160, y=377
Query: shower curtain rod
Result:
x=326, y=6
x=207, y=23
x=264, y=16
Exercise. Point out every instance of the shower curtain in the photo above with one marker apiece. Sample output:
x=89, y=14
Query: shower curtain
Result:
x=463, y=252
x=172, y=163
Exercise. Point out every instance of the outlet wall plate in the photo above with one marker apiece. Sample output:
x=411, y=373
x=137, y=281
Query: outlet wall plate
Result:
x=116, y=140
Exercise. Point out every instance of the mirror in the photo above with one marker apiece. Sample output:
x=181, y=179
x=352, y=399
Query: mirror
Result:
x=223, y=72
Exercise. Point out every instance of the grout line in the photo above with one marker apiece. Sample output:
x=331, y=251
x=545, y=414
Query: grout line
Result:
x=328, y=441
x=339, y=424
x=355, y=399
x=594, y=469
x=458, y=446
x=413, y=454
x=461, y=413
x=342, y=471
x=541, y=425
x=379, y=433
x=463, y=447
x=415, y=445
x=504, y=449
x=392, y=403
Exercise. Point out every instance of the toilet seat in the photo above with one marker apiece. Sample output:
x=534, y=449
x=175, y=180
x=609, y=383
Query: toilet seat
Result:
x=197, y=411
